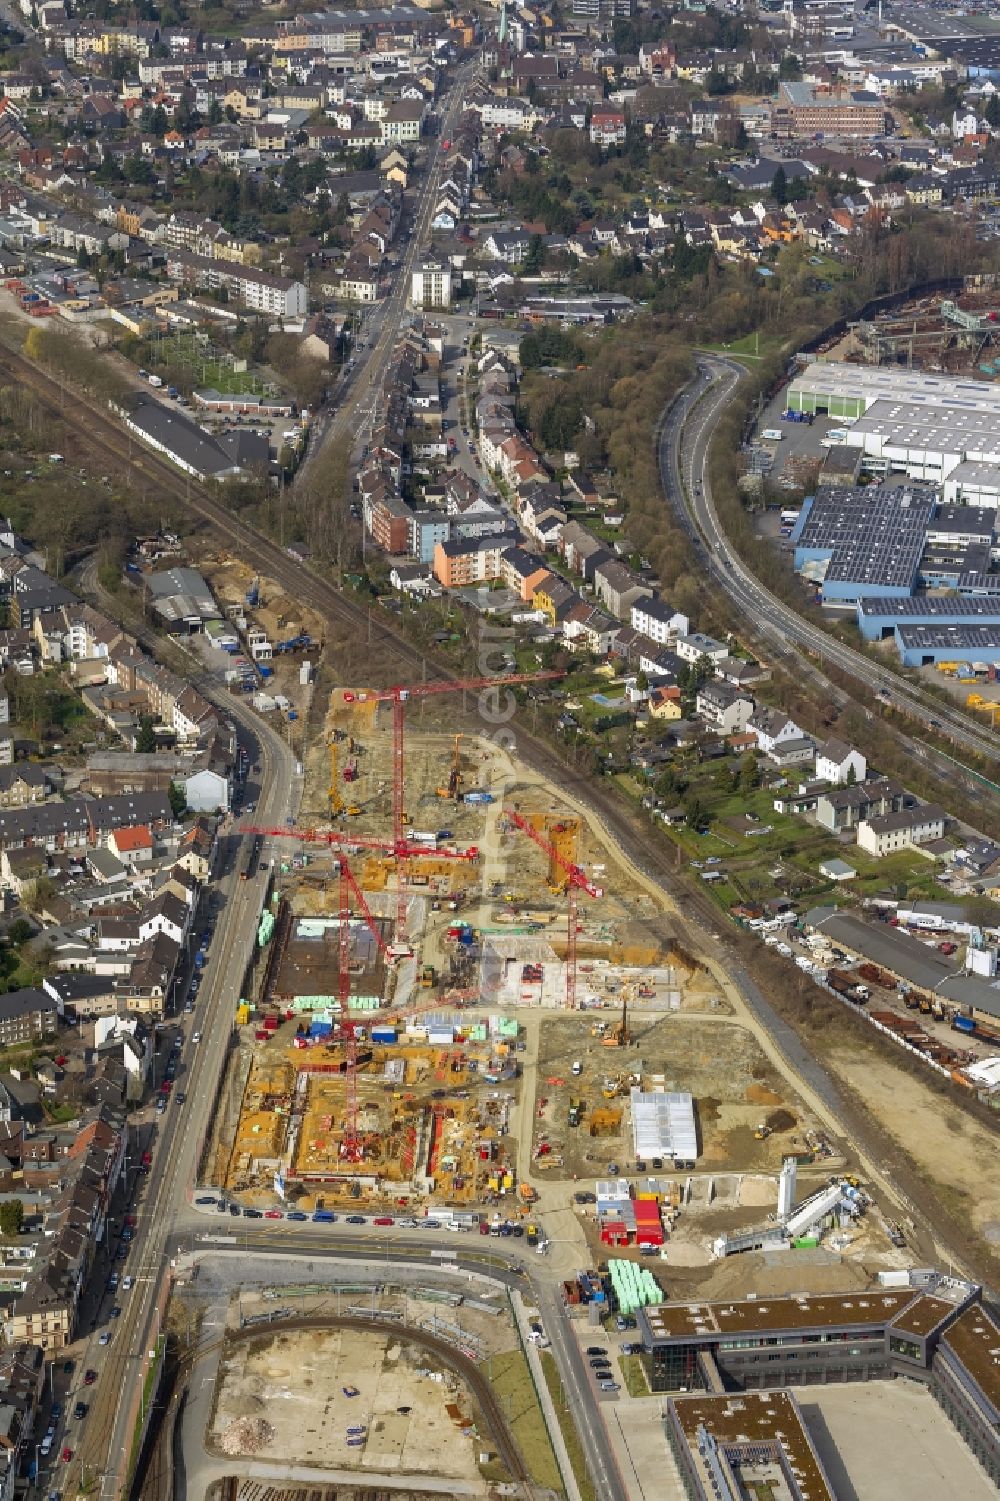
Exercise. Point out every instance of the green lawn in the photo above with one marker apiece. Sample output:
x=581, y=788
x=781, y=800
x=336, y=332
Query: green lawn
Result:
x=511, y=1380
x=751, y=346
x=784, y=858
x=634, y=1375
x=571, y=1437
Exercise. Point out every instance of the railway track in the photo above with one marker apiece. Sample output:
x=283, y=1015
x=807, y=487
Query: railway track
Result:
x=461, y=1366
x=625, y=826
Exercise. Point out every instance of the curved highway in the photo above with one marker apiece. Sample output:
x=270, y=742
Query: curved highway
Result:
x=686, y=432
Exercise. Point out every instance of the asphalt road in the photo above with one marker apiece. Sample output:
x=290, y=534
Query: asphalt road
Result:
x=510, y=1262
x=685, y=435
x=363, y=384
x=107, y=1434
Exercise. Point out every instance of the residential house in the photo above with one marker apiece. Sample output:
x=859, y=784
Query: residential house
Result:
x=665, y=703
x=618, y=588
x=910, y=827
x=839, y=763
x=725, y=708
x=658, y=620
x=845, y=807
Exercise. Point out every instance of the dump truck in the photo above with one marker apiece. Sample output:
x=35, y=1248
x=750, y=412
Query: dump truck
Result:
x=575, y=1112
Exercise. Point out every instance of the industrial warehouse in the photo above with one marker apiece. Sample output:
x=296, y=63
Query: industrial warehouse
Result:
x=885, y=549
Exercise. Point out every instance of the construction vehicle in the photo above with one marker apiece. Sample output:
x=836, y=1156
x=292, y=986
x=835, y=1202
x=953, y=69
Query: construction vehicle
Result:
x=352, y=810
x=531, y=1234
x=598, y=1029
x=575, y=1112
x=455, y=778
x=527, y=1194
x=619, y=1036
x=762, y=1132
x=427, y=977
x=612, y=1088
x=333, y=791
x=604, y=1122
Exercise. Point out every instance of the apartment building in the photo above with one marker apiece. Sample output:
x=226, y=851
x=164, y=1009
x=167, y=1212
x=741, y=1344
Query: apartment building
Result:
x=888, y=832
x=475, y=560
x=278, y=296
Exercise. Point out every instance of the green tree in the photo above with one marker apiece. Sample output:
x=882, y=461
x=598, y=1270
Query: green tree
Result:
x=779, y=186
x=11, y=1216
x=749, y=772
x=145, y=740
x=695, y=815
x=177, y=799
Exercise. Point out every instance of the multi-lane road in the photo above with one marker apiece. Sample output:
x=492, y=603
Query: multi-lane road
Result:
x=107, y=1435
x=685, y=436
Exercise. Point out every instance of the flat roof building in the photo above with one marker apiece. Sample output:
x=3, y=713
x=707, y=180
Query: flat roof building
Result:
x=663, y=1126
x=926, y=442
x=857, y=542
x=925, y=645
x=878, y=615
x=848, y=391
x=919, y=1324
x=728, y=1447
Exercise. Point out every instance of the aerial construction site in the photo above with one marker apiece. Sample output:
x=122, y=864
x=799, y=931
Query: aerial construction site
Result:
x=463, y=999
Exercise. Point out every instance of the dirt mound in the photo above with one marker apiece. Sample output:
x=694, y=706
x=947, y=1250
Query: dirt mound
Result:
x=246, y=1436
x=759, y=1094
x=781, y=1120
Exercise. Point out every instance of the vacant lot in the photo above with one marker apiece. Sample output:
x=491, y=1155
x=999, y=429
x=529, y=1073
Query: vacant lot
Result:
x=297, y=1383
x=953, y=1151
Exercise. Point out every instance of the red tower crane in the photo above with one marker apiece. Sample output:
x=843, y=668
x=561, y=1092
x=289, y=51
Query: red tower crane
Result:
x=576, y=881
x=398, y=697
x=337, y=839
x=352, y=1145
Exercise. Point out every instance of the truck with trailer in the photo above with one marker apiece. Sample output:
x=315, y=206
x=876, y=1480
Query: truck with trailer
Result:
x=851, y=990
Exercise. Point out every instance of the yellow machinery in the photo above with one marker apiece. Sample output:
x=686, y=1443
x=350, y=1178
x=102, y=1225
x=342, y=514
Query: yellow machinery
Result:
x=333, y=791
x=455, y=778
x=984, y=706
x=604, y=1121
x=618, y=1037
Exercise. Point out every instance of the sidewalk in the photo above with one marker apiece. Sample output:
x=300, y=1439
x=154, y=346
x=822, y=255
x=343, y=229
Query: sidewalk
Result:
x=545, y=1399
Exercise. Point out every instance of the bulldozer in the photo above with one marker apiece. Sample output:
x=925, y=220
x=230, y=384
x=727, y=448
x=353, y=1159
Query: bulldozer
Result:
x=762, y=1132
x=612, y=1088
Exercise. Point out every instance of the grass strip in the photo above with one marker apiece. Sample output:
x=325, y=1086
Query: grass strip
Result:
x=511, y=1381
x=571, y=1437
